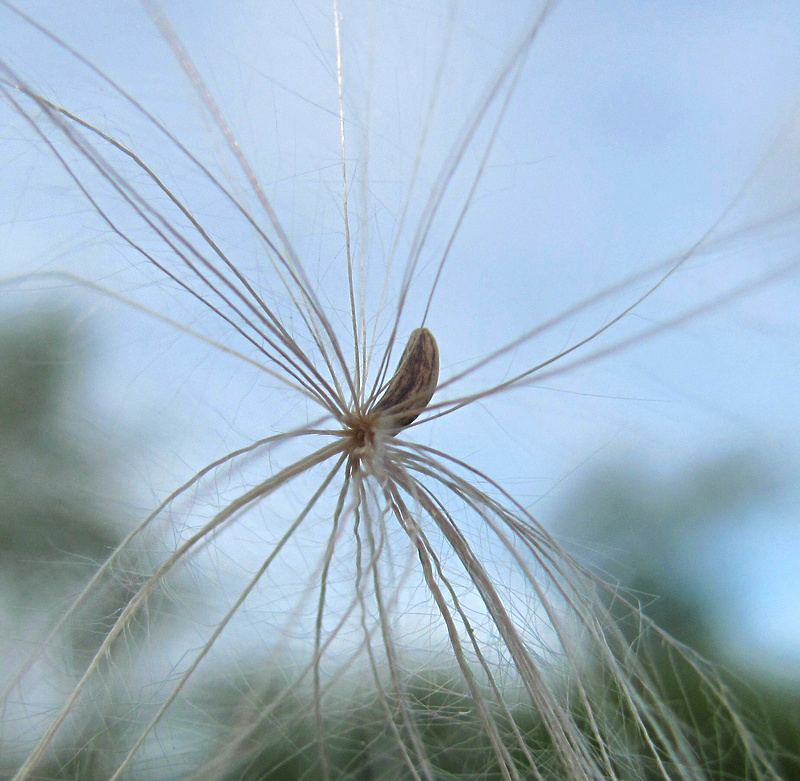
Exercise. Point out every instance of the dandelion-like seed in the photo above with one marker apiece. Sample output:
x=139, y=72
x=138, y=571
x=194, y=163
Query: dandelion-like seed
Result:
x=421, y=623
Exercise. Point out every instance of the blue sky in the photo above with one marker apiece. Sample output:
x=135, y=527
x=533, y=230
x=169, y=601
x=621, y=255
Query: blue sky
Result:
x=631, y=130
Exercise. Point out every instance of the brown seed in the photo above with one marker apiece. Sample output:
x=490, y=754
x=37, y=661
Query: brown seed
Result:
x=413, y=383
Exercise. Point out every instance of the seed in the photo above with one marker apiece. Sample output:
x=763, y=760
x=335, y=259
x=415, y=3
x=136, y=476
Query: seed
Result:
x=413, y=383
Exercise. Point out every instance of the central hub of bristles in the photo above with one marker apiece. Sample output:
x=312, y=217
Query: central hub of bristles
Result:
x=362, y=431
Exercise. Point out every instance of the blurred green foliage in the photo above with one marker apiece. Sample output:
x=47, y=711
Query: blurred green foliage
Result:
x=51, y=480
x=58, y=481
x=635, y=527
x=641, y=529
x=632, y=525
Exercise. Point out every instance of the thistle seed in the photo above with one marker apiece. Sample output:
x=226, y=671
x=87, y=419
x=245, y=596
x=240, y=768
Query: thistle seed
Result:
x=413, y=383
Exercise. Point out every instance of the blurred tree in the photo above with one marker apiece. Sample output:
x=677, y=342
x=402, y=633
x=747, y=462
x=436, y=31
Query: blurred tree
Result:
x=634, y=526
x=60, y=489
x=642, y=529
x=50, y=481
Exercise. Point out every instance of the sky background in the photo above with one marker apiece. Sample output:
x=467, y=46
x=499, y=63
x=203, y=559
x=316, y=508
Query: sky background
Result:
x=632, y=129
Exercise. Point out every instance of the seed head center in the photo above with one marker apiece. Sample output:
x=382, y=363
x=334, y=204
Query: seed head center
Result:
x=361, y=430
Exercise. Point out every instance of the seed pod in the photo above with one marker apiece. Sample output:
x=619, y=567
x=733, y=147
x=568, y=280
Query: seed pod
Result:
x=413, y=383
